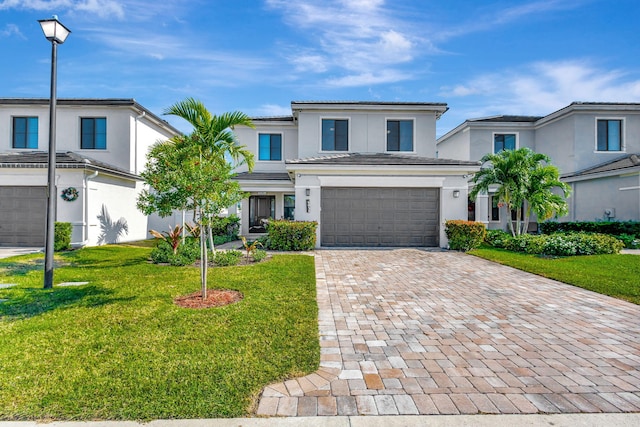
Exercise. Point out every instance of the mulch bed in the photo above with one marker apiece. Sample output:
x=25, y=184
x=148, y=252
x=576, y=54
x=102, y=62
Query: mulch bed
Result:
x=215, y=298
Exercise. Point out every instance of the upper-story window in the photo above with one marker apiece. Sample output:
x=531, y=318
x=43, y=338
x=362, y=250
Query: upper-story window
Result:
x=269, y=146
x=504, y=141
x=399, y=135
x=335, y=135
x=93, y=131
x=25, y=132
x=609, y=135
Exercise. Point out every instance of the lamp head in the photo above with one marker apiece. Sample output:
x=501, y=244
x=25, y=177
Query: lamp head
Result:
x=53, y=30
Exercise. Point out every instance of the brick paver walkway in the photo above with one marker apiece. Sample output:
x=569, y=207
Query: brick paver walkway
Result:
x=415, y=332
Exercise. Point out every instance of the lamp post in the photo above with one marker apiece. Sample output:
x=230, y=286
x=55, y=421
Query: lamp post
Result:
x=56, y=33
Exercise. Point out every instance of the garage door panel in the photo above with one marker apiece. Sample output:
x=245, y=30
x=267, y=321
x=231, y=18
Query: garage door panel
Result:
x=380, y=217
x=22, y=215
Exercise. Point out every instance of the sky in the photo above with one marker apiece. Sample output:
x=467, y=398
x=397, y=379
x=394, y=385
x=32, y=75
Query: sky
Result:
x=481, y=57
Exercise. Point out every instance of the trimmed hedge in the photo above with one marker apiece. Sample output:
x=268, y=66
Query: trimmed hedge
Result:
x=62, y=236
x=225, y=226
x=613, y=228
x=188, y=252
x=285, y=235
x=557, y=244
x=464, y=235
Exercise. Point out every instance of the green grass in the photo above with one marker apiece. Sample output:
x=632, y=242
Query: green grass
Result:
x=614, y=275
x=118, y=348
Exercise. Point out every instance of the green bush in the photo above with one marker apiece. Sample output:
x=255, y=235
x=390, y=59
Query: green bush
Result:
x=219, y=240
x=285, y=235
x=226, y=258
x=630, y=241
x=498, y=238
x=581, y=244
x=188, y=252
x=225, y=226
x=258, y=255
x=613, y=228
x=464, y=235
x=62, y=236
x=528, y=243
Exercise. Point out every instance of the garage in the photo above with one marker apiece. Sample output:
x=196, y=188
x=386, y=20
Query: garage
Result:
x=369, y=217
x=23, y=213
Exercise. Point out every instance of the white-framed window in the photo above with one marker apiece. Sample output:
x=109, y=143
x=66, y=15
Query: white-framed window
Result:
x=93, y=133
x=270, y=146
x=504, y=141
x=335, y=134
x=609, y=134
x=25, y=132
x=400, y=135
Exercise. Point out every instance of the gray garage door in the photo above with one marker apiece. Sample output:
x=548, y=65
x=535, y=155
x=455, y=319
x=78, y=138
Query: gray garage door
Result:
x=23, y=213
x=380, y=217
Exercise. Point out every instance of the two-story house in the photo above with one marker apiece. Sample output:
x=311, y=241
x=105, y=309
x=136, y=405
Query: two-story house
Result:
x=596, y=147
x=101, y=147
x=367, y=172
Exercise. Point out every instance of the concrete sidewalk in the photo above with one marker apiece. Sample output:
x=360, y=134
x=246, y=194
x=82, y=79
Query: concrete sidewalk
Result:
x=556, y=420
x=6, y=252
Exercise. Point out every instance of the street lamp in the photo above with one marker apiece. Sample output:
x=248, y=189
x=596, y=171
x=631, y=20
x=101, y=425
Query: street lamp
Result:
x=56, y=33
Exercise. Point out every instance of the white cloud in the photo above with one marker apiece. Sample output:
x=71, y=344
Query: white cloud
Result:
x=543, y=87
x=272, y=110
x=368, y=78
x=11, y=30
x=102, y=8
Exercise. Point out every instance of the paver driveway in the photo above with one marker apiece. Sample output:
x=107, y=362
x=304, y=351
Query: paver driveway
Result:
x=417, y=332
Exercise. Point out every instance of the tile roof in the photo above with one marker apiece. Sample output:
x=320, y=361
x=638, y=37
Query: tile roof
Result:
x=263, y=176
x=379, y=159
x=508, y=119
x=619, y=164
x=66, y=160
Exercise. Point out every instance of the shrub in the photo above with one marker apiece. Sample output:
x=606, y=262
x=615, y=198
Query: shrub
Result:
x=285, y=235
x=528, y=243
x=498, y=238
x=630, y=242
x=464, y=235
x=225, y=226
x=226, y=258
x=258, y=255
x=614, y=228
x=187, y=253
x=62, y=236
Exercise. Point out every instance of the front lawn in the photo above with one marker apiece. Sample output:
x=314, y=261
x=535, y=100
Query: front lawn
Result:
x=119, y=348
x=614, y=275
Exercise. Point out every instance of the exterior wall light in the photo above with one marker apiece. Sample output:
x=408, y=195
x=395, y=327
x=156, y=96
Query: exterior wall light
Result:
x=456, y=194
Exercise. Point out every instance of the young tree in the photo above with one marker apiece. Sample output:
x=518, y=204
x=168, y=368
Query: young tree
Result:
x=194, y=172
x=523, y=180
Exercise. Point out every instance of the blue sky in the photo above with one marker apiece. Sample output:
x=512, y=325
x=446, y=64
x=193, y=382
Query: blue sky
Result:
x=481, y=57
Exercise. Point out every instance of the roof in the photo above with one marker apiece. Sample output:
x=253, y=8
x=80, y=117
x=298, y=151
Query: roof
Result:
x=272, y=119
x=83, y=102
x=379, y=159
x=67, y=160
x=437, y=107
x=620, y=164
x=262, y=176
x=507, y=119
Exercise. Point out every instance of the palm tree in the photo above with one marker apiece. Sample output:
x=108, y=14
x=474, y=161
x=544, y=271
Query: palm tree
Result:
x=523, y=180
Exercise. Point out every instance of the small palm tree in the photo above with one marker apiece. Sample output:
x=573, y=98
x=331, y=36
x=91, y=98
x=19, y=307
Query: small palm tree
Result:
x=523, y=180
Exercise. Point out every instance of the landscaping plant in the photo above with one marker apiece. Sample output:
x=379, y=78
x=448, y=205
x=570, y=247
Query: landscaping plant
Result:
x=464, y=235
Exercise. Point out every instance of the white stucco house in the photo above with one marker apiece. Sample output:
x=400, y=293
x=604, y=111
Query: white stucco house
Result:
x=367, y=172
x=101, y=147
x=595, y=145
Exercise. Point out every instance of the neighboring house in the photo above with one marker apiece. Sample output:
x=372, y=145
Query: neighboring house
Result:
x=101, y=147
x=596, y=147
x=365, y=171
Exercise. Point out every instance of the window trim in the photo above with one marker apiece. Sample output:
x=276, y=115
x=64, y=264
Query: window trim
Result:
x=493, y=139
x=623, y=136
x=348, y=119
x=281, y=146
x=386, y=131
x=272, y=199
x=491, y=196
x=13, y=132
x=284, y=205
x=106, y=145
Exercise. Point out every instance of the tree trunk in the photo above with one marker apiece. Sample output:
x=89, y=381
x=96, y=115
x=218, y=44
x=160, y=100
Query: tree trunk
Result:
x=203, y=259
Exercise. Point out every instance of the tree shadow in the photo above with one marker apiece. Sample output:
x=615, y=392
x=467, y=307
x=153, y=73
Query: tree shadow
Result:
x=30, y=302
x=111, y=231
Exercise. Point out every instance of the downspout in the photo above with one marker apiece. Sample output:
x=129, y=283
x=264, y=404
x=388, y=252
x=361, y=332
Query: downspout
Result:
x=85, y=211
x=135, y=138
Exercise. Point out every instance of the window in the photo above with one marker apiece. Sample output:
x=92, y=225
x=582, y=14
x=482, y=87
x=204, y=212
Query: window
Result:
x=495, y=208
x=269, y=146
x=25, y=132
x=399, y=135
x=335, y=135
x=504, y=141
x=609, y=135
x=93, y=133
x=289, y=206
x=261, y=208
